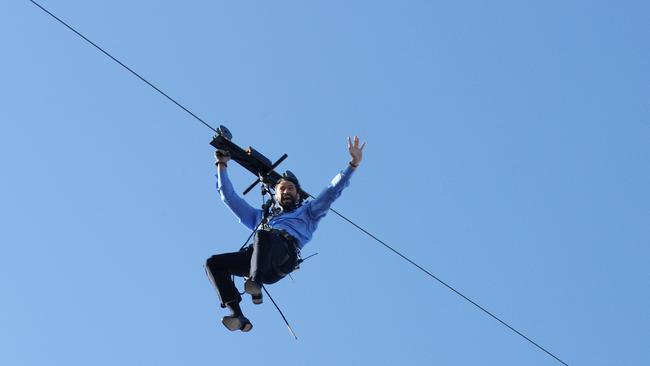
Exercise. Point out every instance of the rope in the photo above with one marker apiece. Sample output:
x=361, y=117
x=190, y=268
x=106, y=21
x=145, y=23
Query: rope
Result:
x=124, y=66
x=337, y=213
x=449, y=287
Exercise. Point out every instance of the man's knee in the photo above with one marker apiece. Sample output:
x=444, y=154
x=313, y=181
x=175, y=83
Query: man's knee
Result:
x=215, y=262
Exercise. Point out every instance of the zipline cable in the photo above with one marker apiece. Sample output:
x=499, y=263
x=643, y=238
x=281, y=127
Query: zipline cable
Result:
x=447, y=285
x=336, y=212
x=124, y=66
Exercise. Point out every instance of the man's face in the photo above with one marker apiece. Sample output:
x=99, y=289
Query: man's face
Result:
x=286, y=194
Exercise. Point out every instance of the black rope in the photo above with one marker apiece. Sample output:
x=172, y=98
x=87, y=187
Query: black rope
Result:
x=124, y=66
x=448, y=286
x=281, y=313
x=250, y=236
x=340, y=215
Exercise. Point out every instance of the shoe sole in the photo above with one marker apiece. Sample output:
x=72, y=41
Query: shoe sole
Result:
x=233, y=324
x=255, y=292
x=247, y=327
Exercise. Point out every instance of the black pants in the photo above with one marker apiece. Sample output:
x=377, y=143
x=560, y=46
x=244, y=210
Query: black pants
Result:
x=267, y=260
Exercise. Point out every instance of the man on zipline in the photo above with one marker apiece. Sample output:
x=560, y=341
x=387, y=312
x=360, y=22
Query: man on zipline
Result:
x=276, y=247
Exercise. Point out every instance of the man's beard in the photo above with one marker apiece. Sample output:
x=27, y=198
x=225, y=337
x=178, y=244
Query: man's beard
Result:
x=288, y=203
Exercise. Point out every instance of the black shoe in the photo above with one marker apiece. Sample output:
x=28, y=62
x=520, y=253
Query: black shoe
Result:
x=254, y=289
x=237, y=322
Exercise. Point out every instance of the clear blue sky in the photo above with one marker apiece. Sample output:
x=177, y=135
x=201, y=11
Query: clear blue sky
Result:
x=508, y=153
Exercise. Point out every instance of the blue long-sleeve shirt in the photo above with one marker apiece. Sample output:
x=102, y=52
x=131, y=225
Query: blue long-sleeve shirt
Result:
x=300, y=223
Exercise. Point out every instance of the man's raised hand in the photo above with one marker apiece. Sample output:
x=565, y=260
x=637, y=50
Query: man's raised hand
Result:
x=356, y=152
x=221, y=156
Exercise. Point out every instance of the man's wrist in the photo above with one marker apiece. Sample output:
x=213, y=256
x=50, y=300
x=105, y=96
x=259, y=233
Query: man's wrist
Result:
x=353, y=165
x=223, y=163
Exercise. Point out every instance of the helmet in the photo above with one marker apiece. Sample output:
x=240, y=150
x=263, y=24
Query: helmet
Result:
x=289, y=176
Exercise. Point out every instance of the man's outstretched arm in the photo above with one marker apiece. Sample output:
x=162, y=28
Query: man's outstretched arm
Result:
x=247, y=214
x=322, y=203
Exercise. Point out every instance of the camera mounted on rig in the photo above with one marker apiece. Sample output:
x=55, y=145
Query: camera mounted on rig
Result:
x=251, y=159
